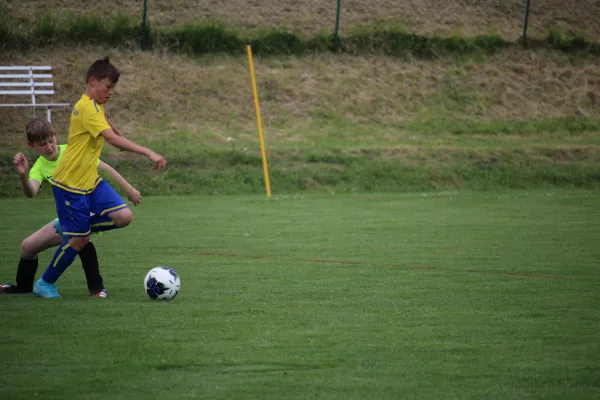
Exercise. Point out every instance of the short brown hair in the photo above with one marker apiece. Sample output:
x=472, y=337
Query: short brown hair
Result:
x=101, y=69
x=38, y=130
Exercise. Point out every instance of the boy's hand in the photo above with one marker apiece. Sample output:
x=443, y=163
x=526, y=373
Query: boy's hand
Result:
x=158, y=160
x=21, y=164
x=135, y=196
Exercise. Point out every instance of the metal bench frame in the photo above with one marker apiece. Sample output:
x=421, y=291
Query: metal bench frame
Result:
x=27, y=82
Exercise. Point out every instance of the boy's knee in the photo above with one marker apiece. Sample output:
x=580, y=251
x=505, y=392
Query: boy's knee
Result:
x=122, y=218
x=28, y=250
x=78, y=243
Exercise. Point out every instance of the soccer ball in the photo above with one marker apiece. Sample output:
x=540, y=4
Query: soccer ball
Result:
x=162, y=283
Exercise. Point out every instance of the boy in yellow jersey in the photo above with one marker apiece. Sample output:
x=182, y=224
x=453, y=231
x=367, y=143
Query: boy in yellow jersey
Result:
x=85, y=202
x=42, y=138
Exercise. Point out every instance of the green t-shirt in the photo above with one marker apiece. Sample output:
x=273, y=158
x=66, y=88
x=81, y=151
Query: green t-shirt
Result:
x=43, y=168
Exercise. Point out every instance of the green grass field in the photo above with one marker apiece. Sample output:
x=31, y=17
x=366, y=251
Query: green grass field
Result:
x=441, y=295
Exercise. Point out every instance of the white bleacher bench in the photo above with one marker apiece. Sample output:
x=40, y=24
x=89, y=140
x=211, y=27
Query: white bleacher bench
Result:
x=26, y=81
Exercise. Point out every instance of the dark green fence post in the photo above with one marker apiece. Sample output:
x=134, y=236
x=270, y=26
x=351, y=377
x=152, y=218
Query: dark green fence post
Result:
x=144, y=42
x=526, y=22
x=336, y=38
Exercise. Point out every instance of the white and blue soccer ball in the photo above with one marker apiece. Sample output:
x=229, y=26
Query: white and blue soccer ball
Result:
x=162, y=283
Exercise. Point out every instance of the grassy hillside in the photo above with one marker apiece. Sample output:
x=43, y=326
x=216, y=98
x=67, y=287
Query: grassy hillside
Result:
x=213, y=94
x=307, y=17
x=512, y=118
x=344, y=122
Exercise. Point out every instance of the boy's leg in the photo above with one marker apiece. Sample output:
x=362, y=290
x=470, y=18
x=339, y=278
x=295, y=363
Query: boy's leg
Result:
x=89, y=262
x=74, y=214
x=63, y=258
x=42, y=239
x=110, y=210
x=112, y=220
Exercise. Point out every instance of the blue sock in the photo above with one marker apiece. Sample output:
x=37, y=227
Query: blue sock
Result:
x=101, y=223
x=63, y=257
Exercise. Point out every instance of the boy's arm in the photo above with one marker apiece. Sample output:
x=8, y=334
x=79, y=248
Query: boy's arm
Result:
x=125, y=144
x=114, y=128
x=132, y=193
x=30, y=187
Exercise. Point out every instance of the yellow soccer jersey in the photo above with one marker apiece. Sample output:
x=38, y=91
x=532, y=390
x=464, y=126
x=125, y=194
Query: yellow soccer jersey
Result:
x=42, y=169
x=77, y=170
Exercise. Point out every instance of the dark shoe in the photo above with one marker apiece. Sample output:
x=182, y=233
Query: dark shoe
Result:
x=100, y=293
x=9, y=288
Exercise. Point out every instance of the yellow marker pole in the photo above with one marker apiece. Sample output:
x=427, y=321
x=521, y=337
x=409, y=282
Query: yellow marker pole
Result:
x=258, y=121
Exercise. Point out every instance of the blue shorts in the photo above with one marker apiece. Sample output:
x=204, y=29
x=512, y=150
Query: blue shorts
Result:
x=74, y=209
x=58, y=229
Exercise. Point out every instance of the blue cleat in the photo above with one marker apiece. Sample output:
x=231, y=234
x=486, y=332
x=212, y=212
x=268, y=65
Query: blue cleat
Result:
x=45, y=289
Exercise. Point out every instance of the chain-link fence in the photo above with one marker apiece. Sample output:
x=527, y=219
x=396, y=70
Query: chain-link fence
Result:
x=509, y=19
